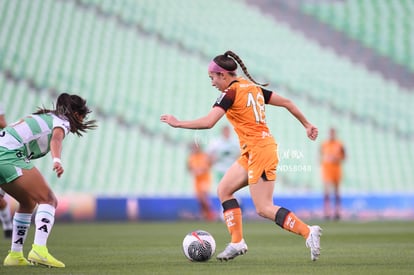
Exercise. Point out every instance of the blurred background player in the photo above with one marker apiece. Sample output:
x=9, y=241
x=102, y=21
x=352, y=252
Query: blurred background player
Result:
x=5, y=215
x=223, y=151
x=332, y=155
x=199, y=165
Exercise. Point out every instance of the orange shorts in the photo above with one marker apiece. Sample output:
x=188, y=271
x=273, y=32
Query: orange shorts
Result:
x=202, y=184
x=331, y=173
x=260, y=161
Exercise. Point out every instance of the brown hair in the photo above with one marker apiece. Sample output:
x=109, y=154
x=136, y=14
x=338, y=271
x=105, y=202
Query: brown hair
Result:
x=228, y=62
x=69, y=106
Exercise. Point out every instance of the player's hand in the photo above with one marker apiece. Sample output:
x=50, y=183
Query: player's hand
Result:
x=312, y=132
x=170, y=120
x=57, y=167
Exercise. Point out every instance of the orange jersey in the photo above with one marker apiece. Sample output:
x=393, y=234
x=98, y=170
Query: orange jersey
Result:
x=199, y=165
x=244, y=103
x=332, y=155
x=332, y=152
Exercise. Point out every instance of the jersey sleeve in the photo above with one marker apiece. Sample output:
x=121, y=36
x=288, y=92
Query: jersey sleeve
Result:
x=226, y=99
x=267, y=94
x=61, y=123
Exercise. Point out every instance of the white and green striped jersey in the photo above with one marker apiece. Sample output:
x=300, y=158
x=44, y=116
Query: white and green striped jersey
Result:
x=225, y=152
x=31, y=135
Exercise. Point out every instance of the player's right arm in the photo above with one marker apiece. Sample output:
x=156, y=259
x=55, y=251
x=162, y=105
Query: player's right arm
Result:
x=205, y=122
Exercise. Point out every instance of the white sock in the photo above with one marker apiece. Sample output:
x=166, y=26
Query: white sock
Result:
x=5, y=218
x=44, y=220
x=21, y=224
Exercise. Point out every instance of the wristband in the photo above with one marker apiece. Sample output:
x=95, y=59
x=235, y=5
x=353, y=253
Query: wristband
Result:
x=58, y=160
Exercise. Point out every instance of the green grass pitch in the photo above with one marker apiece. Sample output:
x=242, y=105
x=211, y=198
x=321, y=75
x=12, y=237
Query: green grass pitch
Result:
x=155, y=248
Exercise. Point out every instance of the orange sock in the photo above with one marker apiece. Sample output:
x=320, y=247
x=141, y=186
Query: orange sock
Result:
x=288, y=221
x=233, y=218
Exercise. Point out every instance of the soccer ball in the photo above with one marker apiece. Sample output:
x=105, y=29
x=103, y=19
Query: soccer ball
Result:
x=199, y=246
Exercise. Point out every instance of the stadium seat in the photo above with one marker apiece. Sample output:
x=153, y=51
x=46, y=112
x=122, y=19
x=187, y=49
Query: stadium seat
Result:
x=385, y=26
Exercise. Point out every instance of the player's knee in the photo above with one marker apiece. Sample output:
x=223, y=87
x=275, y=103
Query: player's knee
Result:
x=222, y=194
x=27, y=206
x=53, y=200
x=47, y=198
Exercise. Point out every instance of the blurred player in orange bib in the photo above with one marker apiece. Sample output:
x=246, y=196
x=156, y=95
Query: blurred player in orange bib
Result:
x=243, y=102
x=332, y=156
x=199, y=165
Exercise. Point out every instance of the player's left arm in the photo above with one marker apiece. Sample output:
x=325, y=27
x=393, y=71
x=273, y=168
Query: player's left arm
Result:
x=58, y=135
x=277, y=100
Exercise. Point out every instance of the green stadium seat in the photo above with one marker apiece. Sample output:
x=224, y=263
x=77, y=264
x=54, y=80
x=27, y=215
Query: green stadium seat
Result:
x=385, y=26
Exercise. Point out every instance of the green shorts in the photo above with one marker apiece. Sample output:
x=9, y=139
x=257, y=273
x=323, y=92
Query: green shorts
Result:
x=11, y=164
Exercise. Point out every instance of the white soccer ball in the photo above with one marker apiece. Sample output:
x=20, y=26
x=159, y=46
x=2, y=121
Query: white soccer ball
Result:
x=199, y=246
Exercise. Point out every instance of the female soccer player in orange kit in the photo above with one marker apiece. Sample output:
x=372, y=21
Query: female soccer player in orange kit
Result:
x=199, y=165
x=332, y=157
x=243, y=102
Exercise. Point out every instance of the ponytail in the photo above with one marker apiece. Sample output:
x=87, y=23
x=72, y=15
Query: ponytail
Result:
x=235, y=57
